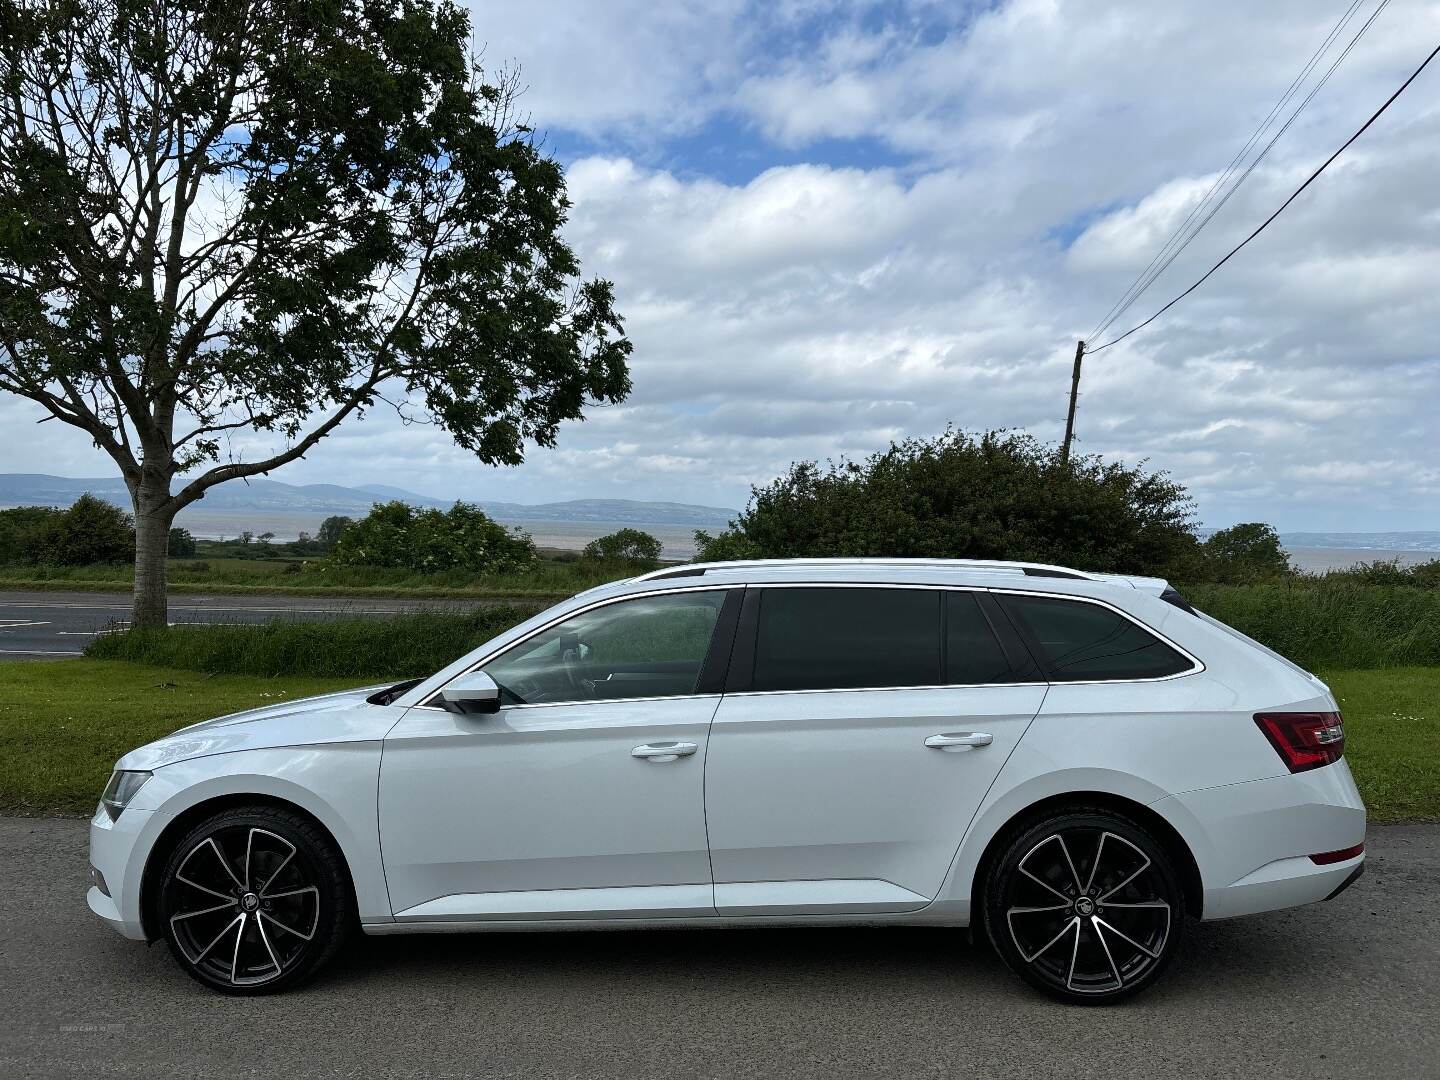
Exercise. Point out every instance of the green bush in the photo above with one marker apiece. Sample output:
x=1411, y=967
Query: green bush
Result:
x=19, y=525
x=367, y=648
x=625, y=545
x=1000, y=495
x=90, y=531
x=395, y=534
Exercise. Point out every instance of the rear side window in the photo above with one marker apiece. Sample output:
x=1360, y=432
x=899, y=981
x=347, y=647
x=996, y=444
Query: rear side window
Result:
x=1087, y=641
x=835, y=639
x=972, y=655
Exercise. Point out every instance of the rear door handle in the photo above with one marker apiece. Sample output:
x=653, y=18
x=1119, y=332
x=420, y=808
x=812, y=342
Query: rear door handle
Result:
x=956, y=740
x=665, y=751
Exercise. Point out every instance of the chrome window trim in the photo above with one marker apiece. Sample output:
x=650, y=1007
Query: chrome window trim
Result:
x=1197, y=667
x=604, y=602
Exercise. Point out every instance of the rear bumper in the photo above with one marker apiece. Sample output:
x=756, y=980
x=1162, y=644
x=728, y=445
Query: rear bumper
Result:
x=1253, y=841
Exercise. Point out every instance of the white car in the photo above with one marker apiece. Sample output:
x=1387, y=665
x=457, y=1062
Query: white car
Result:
x=1077, y=763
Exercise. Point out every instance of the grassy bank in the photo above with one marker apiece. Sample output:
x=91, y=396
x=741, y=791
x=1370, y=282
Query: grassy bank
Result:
x=62, y=725
x=1331, y=622
x=393, y=647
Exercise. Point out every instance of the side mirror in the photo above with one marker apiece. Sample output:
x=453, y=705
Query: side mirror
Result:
x=472, y=693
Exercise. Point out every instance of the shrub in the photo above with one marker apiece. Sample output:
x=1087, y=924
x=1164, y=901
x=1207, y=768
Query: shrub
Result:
x=625, y=545
x=18, y=528
x=395, y=534
x=91, y=531
x=1001, y=495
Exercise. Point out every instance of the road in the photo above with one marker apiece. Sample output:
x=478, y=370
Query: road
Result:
x=1342, y=989
x=38, y=625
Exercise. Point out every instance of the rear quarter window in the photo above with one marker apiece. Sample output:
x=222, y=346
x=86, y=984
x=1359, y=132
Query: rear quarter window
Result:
x=1079, y=641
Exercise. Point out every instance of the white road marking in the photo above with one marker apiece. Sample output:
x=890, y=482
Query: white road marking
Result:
x=40, y=652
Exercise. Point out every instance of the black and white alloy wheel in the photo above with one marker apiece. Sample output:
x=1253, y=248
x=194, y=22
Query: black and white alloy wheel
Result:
x=254, y=900
x=1085, y=906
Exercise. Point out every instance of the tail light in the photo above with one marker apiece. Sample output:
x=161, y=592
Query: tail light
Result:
x=1305, y=740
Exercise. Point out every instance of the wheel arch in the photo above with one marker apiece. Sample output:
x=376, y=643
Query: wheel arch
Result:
x=1153, y=822
x=188, y=818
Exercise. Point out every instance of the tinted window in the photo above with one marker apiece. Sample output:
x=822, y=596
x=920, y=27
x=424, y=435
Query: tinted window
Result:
x=1087, y=641
x=652, y=646
x=972, y=655
x=824, y=639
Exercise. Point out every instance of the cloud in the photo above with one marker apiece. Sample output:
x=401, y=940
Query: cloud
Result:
x=1033, y=155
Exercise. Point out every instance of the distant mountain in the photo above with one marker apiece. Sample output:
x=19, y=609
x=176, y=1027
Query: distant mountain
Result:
x=272, y=496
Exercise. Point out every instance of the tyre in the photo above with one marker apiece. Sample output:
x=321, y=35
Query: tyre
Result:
x=255, y=900
x=1086, y=906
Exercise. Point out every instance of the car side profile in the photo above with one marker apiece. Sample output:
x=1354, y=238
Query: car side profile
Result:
x=1075, y=765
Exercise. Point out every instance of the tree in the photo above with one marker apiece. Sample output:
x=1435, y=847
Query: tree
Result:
x=330, y=530
x=1243, y=552
x=268, y=216
x=91, y=531
x=625, y=545
x=464, y=537
x=1000, y=495
x=181, y=545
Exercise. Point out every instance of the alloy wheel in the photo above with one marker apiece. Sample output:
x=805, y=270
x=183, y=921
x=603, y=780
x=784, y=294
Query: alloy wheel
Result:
x=1089, y=912
x=243, y=907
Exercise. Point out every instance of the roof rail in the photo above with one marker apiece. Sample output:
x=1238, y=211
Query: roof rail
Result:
x=1027, y=568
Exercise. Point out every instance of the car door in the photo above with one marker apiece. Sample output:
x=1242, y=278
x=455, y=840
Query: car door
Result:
x=860, y=730
x=582, y=797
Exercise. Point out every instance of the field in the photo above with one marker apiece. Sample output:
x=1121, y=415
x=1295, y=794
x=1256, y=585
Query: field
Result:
x=62, y=725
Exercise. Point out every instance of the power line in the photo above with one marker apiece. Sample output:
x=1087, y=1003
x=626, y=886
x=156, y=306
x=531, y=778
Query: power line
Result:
x=1295, y=195
x=1184, y=235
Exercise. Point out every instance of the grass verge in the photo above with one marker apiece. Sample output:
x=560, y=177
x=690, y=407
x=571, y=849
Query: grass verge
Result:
x=364, y=648
x=63, y=724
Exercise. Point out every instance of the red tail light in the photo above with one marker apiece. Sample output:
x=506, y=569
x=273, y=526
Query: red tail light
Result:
x=1305, y=740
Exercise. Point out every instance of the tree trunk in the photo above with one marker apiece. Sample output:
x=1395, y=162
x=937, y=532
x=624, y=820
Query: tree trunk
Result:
x=152, y=540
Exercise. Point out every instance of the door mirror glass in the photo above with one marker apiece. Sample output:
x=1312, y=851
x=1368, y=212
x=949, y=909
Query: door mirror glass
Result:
x=472, y=693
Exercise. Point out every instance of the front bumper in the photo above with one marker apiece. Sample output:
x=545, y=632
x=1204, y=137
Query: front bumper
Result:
x=1253, y=841
x=117, y=850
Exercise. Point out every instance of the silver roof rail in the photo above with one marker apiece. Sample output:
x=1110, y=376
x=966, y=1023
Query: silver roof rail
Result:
x=1027, y=568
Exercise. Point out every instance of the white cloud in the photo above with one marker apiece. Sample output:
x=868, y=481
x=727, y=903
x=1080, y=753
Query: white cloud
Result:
x=821, y=305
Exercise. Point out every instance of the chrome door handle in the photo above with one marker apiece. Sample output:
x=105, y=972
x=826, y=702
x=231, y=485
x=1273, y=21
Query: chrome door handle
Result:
x=958, y=739
x=665, y=751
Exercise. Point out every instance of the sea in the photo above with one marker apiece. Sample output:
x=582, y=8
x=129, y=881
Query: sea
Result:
x=1312, y=552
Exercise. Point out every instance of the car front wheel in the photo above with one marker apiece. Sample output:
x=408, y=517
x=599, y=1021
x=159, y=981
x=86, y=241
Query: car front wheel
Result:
x=254, y=900
x=1086, y=906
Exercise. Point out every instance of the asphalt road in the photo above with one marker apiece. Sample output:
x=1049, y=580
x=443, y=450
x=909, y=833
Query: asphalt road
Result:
x=1342, y=989
x=40, y=625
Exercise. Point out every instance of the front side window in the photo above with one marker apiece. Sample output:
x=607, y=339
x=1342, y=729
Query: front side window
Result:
x=652, y=646
x=1081, y=641
x=845, y=638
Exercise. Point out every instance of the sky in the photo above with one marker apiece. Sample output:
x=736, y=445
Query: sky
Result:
x=834, y=225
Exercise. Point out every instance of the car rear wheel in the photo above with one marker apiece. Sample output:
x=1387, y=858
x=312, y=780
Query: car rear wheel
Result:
x=254, y=900
x=1085, y=906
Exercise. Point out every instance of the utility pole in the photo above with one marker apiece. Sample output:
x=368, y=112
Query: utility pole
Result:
x=1074, y=393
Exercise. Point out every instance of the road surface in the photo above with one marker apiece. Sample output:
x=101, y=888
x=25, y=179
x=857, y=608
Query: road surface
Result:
x=1345, y=989
x=39, y=625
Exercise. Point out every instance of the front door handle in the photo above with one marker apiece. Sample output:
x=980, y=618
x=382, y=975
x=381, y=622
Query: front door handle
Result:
x=959, y=739
x=665, y=751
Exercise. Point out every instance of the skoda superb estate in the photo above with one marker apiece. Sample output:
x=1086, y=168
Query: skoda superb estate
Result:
x=1074, y=765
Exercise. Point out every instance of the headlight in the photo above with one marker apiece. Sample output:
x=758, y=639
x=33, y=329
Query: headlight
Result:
x=120, y=790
